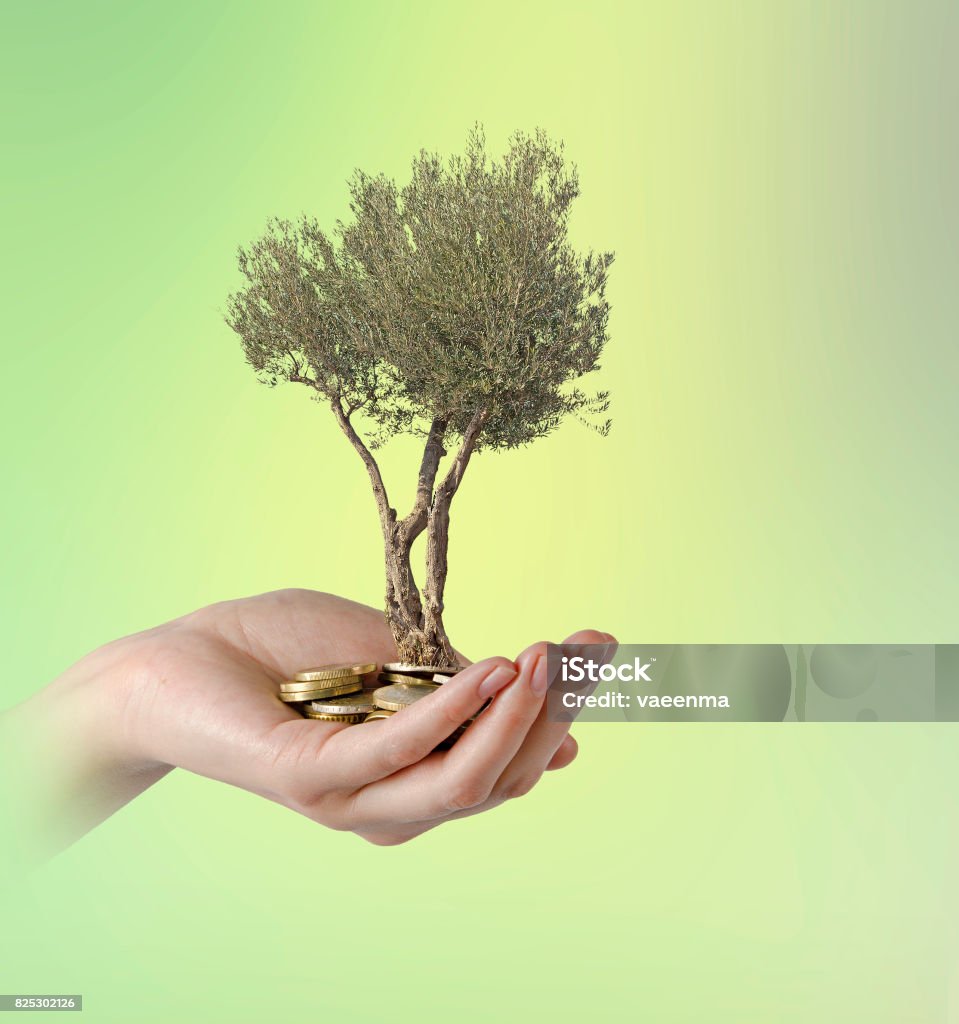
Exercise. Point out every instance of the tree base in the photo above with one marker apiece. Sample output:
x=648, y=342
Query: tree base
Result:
x=416, y=647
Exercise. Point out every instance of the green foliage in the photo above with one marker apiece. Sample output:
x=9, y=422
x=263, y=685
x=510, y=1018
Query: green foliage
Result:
x=458, y=292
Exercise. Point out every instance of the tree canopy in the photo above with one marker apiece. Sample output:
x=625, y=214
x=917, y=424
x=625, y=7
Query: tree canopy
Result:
x=457, y=295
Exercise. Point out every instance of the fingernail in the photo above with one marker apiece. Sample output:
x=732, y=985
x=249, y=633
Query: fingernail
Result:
x=539, y=681
x=497, y=679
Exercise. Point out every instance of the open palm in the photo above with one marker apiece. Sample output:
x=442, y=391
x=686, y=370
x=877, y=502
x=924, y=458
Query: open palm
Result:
x=202, y=695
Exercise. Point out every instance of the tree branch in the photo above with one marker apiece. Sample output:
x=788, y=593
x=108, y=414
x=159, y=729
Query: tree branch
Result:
x=379, y=488
x=293, y=360
x=414, y=524
x=432, y=453
x=403, y=605
x=454, y=474
x=437, y=541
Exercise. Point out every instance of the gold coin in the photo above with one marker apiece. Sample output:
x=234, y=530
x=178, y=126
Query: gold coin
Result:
x=378, y=715
x=401, y=695
x=312, y=675
x=318, y=692
x=348, y=719
x=407, y=668
x=401, y=677
x=298, y=685
x=353, y=704
x=414, y=677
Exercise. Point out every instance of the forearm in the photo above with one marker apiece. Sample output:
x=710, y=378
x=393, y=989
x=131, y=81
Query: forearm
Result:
x=67, y=763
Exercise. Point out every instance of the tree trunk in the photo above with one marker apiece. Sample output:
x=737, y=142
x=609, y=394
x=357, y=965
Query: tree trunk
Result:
x=437, y=546
x=428, y=644
x=417, y=625
x=404, y=609
x=418, y=631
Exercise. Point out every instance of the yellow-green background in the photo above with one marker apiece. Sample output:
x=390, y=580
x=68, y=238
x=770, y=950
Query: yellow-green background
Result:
x=778, y=181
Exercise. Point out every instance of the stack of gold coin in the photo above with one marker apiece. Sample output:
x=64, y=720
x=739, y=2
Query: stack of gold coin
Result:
x=331, y=693
x=405, y=672
x=345, y=693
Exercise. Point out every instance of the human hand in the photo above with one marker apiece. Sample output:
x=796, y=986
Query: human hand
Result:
x=201, y=693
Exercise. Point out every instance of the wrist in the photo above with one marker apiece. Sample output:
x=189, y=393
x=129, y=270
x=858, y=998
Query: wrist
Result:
x=76, y=754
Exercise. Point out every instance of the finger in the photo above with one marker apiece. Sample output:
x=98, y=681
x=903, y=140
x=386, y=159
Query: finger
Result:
x=545, y=737
x=367, y=753
x=565, y=754
x=464, y=777
x=396, y=833
x=482, y=754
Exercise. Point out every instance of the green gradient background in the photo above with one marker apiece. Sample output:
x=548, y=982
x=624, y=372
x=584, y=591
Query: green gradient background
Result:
x=778, y=181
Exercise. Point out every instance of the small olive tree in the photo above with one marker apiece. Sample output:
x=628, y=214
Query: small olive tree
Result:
x=454, y=309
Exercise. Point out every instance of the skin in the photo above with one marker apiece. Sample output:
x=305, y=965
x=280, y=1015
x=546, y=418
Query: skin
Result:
x=200, y=693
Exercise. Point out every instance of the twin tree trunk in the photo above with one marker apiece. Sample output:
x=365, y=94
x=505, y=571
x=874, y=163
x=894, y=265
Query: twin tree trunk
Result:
x=415, y=619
